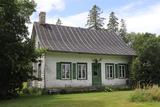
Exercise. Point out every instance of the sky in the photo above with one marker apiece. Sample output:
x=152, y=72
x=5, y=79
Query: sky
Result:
x=139, y=15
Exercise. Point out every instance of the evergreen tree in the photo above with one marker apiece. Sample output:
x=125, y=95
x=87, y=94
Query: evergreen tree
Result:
x=123, y=30
x=95, y=21
x=16, y=49
x=113, y=23
x=59, y=22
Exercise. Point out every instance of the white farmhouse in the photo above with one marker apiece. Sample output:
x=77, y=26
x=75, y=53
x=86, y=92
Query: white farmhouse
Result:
x=78, y=57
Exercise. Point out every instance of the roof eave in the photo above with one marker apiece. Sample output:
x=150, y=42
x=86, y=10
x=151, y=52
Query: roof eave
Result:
x=91, y=53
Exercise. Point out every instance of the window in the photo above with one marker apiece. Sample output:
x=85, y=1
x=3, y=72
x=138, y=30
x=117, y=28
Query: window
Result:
x=109, y=70
x=39, y=70
x=122, y=71
x=65, y=69
x=38, y=45
x=82, y=71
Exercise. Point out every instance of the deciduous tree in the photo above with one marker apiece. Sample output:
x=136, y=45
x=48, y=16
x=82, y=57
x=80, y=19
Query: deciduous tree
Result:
x=148, y=68
x=16, y=50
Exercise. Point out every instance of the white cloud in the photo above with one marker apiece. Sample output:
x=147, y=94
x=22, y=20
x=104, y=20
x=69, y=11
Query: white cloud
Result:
x=147, y=21
x=129, y=7
x=48, y=5
x=77, y=20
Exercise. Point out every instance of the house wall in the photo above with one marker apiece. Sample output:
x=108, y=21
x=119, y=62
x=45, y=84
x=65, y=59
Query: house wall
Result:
x=41, y=60
x=52, y=58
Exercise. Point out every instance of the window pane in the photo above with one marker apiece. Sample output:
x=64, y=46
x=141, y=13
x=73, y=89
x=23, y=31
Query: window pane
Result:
x=84, y=74
x=84, y=71
x=107, y=70
x=123, y=71
x=63, y=71
x=111, y=68
x=95, y=73
x=67, y=74
x=111, y=73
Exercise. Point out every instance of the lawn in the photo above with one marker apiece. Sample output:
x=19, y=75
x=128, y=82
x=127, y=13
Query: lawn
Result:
x=101, y=99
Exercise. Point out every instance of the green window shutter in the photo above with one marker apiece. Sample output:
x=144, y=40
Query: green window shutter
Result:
x=71, y=71
x=127, y=71
x=113, y=72
x=116, y=70
x=86, y=72
x=74, y=71
x=99, y=68
x=58, y=69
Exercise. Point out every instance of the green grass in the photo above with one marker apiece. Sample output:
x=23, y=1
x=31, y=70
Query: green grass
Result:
x=101, y=99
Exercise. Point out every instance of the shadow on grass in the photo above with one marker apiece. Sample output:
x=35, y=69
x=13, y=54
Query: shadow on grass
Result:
x=71, y=103
x=51, y=101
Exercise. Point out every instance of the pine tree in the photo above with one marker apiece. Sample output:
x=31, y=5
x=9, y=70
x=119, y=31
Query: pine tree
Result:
x=123, y=30
x=94, y=20
x=113, y=22
x=59, y=22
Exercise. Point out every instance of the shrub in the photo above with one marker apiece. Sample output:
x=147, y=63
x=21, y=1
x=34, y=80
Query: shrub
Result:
x=155, y=93
x=116, y=88
x=108, y=89
x=32, y=91
x=141, y=95
x=147, y=94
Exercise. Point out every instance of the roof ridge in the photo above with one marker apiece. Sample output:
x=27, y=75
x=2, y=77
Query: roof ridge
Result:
x=104, y=30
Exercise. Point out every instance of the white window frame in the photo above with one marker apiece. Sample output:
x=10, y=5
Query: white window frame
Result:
x=108, y=71
x=65, y=71
x=82, y=71
x=122, y=70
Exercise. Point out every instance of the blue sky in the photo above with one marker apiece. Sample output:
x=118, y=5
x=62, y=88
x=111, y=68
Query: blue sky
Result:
x=140, y=15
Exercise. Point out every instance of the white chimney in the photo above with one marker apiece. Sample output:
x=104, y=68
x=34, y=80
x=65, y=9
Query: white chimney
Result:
x=42, y=17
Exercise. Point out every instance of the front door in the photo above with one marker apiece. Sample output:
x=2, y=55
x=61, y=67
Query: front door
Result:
x=96, y=74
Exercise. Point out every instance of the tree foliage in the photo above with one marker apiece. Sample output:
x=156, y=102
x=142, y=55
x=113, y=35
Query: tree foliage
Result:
x=113, y=23
x=59, y=22
x=123, y=30
x=16, y=49
x=147, y=47
x=95, y=21
x=149, y=60
x=137, y=40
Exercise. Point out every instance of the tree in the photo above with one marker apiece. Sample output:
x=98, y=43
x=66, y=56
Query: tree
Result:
x=59, y=22
x=137, y=40
x=113, y=23
x=123, y=30
x=147, y=47
x=17, y=51
x=95, y=21
x=148, y=68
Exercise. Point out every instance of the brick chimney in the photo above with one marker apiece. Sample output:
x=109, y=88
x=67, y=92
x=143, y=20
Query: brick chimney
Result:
x=42, y=17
